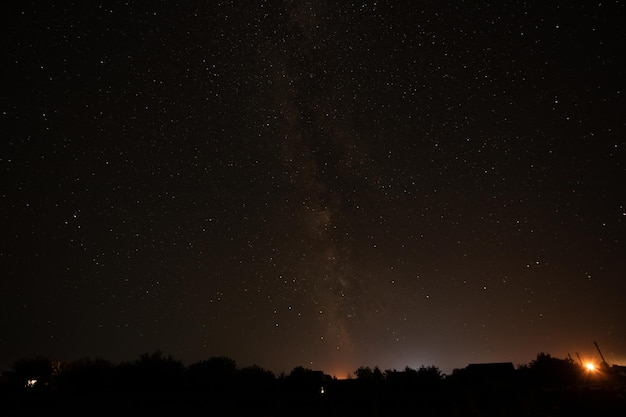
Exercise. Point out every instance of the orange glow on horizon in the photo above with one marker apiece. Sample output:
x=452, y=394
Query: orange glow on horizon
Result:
x=340, y=374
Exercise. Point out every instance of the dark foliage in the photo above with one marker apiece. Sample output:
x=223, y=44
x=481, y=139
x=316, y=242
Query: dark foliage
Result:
x=159, y=385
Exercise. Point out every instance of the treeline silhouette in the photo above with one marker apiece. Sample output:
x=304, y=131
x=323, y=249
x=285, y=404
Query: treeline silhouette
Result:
x=161, y=385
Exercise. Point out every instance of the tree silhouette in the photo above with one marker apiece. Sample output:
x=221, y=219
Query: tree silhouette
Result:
x=429, y=376
x=256, y=381
x=546, y=370
x=88, y=377
x=153, y=374
x=213, y=376
x=306, y=382
x=367, y=374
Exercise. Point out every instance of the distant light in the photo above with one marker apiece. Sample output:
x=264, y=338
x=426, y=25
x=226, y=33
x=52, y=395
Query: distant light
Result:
x=322, y=391
x=31, y=383
x=590, y=366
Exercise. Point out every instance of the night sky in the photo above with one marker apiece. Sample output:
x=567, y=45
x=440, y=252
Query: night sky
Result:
x=313, y=183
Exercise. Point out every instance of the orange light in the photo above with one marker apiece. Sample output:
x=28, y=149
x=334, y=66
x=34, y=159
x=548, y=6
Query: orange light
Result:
x=590, y=366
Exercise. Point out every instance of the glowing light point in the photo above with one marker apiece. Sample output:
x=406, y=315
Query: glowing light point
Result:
x=590, y=366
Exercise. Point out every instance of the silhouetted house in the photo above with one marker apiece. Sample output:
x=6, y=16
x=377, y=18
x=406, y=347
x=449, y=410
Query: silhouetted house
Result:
x=489, y=373
x=619, y=370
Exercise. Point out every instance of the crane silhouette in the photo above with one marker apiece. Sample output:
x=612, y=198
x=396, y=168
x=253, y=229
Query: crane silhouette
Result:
x=605, y=365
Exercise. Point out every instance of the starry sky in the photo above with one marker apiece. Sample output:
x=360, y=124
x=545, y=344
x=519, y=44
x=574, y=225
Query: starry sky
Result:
x=313, y=183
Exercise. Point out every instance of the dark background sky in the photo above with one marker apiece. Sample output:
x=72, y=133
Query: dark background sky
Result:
x=318, y=184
